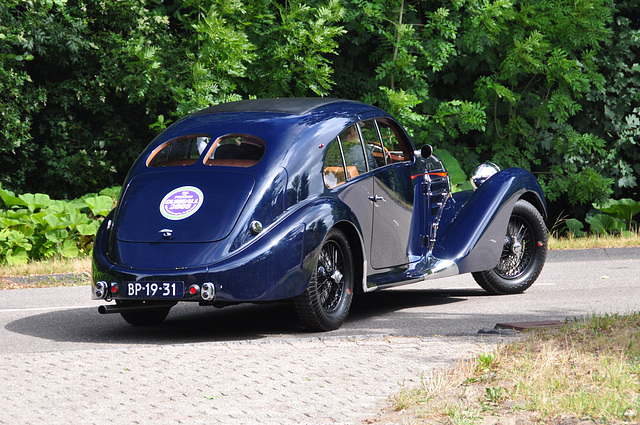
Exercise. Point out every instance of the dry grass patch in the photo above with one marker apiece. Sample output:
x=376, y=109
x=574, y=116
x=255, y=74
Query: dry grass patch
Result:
x=56, y=272
x=594, y=241
x=586, y=372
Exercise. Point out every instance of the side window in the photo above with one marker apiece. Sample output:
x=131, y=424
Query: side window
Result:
x=376, y=154
x=236, y=150
x=398, y=149
x=333, y=166
x=352, y=150
x=181, y=151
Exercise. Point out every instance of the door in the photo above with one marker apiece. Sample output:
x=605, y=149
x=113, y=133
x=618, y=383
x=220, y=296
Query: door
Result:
x=393, y=194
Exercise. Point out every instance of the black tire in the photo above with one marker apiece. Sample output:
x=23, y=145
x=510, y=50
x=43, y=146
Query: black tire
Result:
x=523, y=253
x=325, y=304
x=148, y=317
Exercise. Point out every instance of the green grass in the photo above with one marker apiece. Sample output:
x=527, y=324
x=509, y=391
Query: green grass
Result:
x=54, y=266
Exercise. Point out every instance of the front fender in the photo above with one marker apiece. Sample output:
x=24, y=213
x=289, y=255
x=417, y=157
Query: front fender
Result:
x=473, y=235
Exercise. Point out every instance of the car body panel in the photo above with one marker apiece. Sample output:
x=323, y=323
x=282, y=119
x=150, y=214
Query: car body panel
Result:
x=217, y=216
x=474, y=233
x=392, y=216
x=402, y=222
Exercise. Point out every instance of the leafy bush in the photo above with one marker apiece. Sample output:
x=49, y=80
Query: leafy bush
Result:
x=36, y=227
x=552, y=86
x=605, y=224
x=610, y=217
x=457, y=176
x=84, y=86
x=574, y=227
x=497, y=80
x=623, y=209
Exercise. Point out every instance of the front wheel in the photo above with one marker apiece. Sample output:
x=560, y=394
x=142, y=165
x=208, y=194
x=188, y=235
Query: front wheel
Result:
x=523, y=253
x=325, y=304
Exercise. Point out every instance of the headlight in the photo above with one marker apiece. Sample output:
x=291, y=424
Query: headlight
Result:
x=482, y=173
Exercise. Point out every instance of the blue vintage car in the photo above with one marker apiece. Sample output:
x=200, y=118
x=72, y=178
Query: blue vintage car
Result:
x=310, y=200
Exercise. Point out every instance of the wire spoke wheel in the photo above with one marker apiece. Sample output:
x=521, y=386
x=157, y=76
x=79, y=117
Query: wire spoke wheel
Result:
x=329, y=275
x=518, y=249
x=523, y=253
x=325, y=304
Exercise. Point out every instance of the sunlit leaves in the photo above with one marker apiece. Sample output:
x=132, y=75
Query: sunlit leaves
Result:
x=296, y=44
x=549, y=85
x=624, y=209
x=33, y=226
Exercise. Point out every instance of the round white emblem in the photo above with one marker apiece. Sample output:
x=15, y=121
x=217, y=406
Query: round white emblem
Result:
x=181, y=203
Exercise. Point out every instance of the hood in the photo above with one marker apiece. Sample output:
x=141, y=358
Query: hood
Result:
x=182, y=206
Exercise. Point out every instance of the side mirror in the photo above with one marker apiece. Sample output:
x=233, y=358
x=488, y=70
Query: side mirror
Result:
x=426, y=151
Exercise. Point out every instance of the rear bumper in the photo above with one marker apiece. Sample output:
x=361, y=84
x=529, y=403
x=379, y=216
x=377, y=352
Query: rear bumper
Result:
x=269, y=269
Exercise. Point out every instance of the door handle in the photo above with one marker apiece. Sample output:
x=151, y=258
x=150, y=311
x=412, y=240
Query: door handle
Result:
x=377, y=198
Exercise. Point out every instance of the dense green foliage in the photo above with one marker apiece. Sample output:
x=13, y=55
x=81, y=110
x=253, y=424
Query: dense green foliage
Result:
x=35, y=227
x=548, y=85
x=501, y=81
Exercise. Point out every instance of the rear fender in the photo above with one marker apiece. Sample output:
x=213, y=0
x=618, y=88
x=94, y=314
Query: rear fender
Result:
x=282, y=259
x=474, y=236
x=320, y=217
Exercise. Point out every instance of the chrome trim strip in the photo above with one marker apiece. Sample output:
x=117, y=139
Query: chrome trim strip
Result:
x=365, y=285
x=441, y=268
x=427, y=268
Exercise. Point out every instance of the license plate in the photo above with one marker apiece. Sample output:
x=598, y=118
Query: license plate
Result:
x=155, y=289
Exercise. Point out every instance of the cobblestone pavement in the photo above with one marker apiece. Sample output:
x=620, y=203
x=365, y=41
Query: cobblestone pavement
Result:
x=306, y=380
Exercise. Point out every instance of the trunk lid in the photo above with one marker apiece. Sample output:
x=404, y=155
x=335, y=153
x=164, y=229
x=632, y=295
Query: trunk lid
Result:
x=182, y=206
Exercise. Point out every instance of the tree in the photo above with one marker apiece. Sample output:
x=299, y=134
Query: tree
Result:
x=93, y=111
x=613, y=112
x=497, y=80
x=104, y=77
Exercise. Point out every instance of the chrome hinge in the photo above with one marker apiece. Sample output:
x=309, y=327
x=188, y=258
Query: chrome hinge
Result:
x=434, y=230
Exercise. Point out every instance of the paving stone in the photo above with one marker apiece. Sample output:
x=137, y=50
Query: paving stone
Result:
x=314, y=381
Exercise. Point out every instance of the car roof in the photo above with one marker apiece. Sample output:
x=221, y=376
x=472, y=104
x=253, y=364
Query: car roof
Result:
x=281, y=123
x=292, y=106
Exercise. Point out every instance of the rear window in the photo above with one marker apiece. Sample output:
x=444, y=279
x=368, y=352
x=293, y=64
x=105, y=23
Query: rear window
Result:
x=236, y=150
x=181, y=151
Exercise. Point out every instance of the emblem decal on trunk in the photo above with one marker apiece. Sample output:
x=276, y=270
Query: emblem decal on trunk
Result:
x=181, y=203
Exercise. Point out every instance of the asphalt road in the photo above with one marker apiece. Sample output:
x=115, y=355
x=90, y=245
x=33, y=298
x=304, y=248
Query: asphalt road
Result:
x=54, y=344
x=572, y=284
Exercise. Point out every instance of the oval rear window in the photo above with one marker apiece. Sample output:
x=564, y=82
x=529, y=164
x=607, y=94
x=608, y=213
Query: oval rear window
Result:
x=181, y=151
x=236, y=150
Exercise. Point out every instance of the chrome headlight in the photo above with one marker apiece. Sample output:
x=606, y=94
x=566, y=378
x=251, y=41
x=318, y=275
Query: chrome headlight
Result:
x=482, y=173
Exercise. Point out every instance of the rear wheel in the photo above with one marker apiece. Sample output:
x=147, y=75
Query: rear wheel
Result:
x=149, y=316
x=325, y=304
x=523, y=253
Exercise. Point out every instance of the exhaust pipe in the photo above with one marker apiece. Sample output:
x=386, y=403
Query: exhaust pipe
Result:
x=110, y=309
